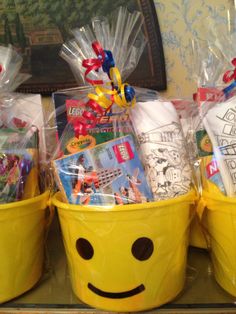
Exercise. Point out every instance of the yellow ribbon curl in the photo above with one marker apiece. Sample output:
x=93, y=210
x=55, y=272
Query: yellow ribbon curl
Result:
x=102, y=93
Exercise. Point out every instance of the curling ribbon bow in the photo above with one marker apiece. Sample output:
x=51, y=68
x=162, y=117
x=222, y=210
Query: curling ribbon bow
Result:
x=104, y=60
x=120, y=93
x=229, y=76
x=89, y=118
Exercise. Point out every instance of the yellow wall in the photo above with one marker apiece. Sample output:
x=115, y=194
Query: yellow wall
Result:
x=181, y=20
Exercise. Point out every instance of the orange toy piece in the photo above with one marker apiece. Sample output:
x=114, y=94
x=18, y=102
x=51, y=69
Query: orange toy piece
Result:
x=84, y=184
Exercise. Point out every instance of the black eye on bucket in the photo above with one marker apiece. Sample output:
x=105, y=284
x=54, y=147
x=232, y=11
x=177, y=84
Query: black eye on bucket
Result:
x=142, y=248
x=84, y=248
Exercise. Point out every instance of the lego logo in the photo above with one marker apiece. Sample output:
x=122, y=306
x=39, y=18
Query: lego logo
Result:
x=123, y=152
x=74, y=109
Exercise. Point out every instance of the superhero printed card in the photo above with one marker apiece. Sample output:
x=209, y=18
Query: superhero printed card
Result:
x=15, y=167
x=18, y=164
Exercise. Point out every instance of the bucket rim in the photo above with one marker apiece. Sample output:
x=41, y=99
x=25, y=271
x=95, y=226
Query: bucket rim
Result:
x=190, y=198
x=218, y=197
x=25, y=202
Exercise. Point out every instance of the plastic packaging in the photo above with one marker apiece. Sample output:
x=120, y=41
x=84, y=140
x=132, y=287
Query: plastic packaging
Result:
x=81, y=125
x=19, y=151
x=10, y=64
x=109, y=219
x=217, y=111
x=85, y=113
x=122, y=39
x=198, y=148
x=109, y=173
x=70, y=105
x=216, y=102
x=19, y=164
x=24, y=111
x=112, y=172
x=24, y=198
x=162, y=147
x=219, y=123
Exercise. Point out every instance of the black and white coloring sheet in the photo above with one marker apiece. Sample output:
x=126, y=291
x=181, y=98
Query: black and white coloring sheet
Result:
x=220, y=124
x=162, y=148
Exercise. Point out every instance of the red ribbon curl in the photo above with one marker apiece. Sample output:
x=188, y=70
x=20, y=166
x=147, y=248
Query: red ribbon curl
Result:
x=88, y=119
x=93, y=64
x=230, y=75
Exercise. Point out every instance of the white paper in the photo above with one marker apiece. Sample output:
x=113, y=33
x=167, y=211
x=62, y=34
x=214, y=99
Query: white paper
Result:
x=162, y=148
x=220, y=124
x=28, y=108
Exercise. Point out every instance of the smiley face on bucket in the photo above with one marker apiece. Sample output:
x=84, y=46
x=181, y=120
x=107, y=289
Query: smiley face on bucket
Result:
x=141, y=250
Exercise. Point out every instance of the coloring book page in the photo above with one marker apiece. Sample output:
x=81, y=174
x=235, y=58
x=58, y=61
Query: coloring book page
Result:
x=163, y=149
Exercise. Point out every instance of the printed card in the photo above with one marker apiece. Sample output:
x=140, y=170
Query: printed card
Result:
x=109, y=173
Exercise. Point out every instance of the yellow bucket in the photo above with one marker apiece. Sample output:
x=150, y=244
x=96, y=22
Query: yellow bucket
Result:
x=197, y=238
x=127, y=258
x=220, y=223
x=22, y=235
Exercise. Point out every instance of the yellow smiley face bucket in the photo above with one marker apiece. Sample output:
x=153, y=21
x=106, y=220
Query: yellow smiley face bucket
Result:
x=22, y=239
x=126, y=258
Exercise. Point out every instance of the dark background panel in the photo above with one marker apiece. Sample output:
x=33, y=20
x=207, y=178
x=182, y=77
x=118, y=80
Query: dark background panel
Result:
x=37, y=29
